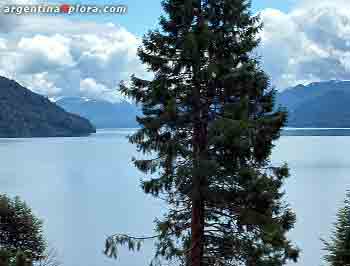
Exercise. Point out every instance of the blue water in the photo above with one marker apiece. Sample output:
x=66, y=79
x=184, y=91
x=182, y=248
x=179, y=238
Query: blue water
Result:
x=86, y=188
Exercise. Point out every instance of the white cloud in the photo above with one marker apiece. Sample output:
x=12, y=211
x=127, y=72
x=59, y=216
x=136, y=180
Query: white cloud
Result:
x=41, y=83
x=56, y=56
x=3, y=44
x=310, y=43
x=41, y=52
x=9, y=23
x=91, y=89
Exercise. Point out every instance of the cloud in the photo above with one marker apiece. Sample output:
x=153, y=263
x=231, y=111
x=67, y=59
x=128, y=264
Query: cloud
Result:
x=7, y=23
x=91, y=89
x=310, y=43
x=41, y=83
x=77, y=58
x=3, y=44
x=10, y=23
x=57, y=56
x=45, y=52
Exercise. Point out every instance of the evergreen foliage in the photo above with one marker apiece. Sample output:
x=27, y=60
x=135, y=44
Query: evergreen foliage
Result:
x=25, y=114
x=4, y=257
x=209, y=121
x=19, y=259
x=338, y=247
x=20, y=230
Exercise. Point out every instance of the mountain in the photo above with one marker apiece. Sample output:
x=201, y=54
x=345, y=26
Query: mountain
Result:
x=26, y=114
x=318, y=105
x=102, y=114
x=331, y=110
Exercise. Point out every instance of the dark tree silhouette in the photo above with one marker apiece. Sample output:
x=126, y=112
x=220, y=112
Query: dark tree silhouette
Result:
x=209, y=121
x=338, y=247
x=20, y=230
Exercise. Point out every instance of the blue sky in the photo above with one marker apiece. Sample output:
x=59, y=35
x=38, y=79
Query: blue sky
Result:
x=143, y=15
x=303, y=41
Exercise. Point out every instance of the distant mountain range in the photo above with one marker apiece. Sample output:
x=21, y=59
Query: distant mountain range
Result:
x=317, y=105
x=102, y=114
x=26, y=114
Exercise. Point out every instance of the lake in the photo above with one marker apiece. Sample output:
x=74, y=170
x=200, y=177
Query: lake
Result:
x=86, y=188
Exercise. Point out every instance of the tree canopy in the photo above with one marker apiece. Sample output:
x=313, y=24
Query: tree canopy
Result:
x=20, y=229
x=338, y=247
x=208, y=128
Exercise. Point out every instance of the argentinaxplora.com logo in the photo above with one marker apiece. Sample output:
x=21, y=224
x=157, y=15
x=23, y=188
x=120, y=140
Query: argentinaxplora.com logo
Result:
x=63, y=9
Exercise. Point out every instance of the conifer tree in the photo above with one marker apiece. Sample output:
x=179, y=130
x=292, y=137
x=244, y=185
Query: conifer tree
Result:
x=20, y=229
x=22, y=260
x=338, y=247
x=4, y=257
x=19, y=259
x=209, y=121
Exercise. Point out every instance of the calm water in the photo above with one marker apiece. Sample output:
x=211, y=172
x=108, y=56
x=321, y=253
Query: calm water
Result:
x=86, y=188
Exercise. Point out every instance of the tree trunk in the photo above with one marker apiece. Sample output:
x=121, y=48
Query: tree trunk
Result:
x=197, y=233
x=197, y=224
x=199, y=141
x=197, y=211
x=198, y=180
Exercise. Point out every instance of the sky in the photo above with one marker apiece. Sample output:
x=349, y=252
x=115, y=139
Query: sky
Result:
x=144, y=16
x=303, y=41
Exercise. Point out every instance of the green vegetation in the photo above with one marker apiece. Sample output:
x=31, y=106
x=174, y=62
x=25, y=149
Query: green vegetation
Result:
x=26, y=114
x=22, y=241
x=20, y=229
x=7, y=259
x=338, y=247
x=208, y=120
